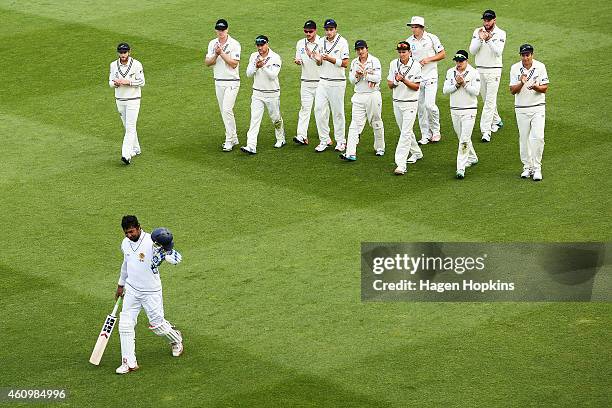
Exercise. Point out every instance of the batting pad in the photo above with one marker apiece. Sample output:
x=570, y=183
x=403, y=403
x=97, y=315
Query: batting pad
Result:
x=165, y=329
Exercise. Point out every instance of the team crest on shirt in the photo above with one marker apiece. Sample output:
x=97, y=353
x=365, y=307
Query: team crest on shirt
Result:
x=141, y=257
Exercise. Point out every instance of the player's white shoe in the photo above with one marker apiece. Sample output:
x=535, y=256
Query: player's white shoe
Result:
x=340, y=146
x=124, y=368
x=414, y=158
x=460, y=174
x=486, y=137
x=380, y=152
x=526, y=174
x=423, y=141
x=321, y=147
x=496, y=126
x=279, y=144
x=228, y=146
x=399, y=172
x=300, y=140
x=136, y=152
x=436, y=138
x=177, y=348
x=248, y=150
x=537, y=175
x=126, y=160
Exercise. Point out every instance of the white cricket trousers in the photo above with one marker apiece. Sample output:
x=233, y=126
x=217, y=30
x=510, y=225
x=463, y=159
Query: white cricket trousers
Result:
x=489, y=85
x=227, y=91
x=366, y=107
x=153, y=305
x=463, y=122
x=259, y=101
x=308, y=92
x=405, y=115
x=128, y=110
x=530, y=123
x=429, y=114
x=330, y=98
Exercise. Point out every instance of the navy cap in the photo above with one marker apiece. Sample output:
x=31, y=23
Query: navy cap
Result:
x=526, y=48
x=361, y=44
x=221, y=24
x=460, y=55
x=330, y=22
x=123, y=47
x=488, y=15
x=261, y=40
x=310, y=24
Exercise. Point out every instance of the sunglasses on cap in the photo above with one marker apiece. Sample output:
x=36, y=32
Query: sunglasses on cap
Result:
x=260, y=41
x=403, y=47
x=309, y=31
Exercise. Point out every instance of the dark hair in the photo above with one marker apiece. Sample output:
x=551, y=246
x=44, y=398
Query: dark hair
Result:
x=129, y=221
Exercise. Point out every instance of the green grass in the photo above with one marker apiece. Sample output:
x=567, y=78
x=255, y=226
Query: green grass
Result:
x=268, y=293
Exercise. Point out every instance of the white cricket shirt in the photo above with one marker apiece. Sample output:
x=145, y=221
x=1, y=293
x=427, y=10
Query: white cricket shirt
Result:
x=310, y=69
x=488, y=54
x=136, y=270
x=131, y=71
x=265, y=78
x=331, y=74
x=528, y=98
x=221, y=71
x=412, y=72
x=428, y=46
x=464, y=97
x=373, y=74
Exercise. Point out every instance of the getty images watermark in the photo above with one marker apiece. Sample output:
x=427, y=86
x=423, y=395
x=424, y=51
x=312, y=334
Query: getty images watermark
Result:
x=439, y=272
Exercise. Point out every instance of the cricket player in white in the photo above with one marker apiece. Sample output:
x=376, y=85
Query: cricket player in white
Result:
x=404, y=80
x=264, y=66
x=127, y=77
x=528, y=84
x=487, y=46
x=224, y=53
x=333, y=57
x=140, y=286
x=305, y=50
x=365, y=74
x=463, y=84
x=427, y=50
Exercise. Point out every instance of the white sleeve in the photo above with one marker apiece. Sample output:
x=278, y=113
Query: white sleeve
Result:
x=375, y=76
x=111, y=77
x=123, y=275
x=543, y=75
x=353, y=72
x=437, y=45
x=235, y=53
x=476, y=42
x=416, y=78
x=473, y=87
x=497, y=46
x=344, y=51
x=449, y=83
x=391, y=76
x=139, y=79
x=273, y=68
x=251, y=68
x=514, y=76
x=211, y=49
x=298, y=54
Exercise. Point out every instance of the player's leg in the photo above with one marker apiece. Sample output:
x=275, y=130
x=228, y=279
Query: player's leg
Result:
x=322, y=116
x=307, y=95
x=374, y=112
x=125, y=151
x=127, y=321
x=461, y=147
x=403, y=144
x=467, y=127
x=536, y=142
x=524, y=127
x=497, y=120
x=131, y=119
x=153, y=305
x=273, y=107
x=423, y=116
x=409, y=117
x=433, y=113
x=358, y=121
x=229, y=100
x=485, y=116
x=220, y=93
x=257, y=110
x=336, y=97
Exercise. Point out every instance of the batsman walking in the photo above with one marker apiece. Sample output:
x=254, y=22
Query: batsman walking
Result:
x=140, y=286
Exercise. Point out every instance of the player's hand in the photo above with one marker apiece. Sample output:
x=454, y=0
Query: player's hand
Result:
x=173, y=257
x=483, y=34
x=424, y=61
x=298, y=61
x=325, y=57
x=217, y=49
x=524, y=79
x=399, y=78
x=259, y=63
x=372, y=85
x=460, y=80
x=120, y=292
x=309, y=53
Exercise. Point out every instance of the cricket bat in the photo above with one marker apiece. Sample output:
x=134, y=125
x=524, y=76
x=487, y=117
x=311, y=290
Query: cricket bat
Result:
x=107, y=329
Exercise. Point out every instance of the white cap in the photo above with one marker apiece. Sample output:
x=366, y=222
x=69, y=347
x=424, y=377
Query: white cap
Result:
x=416, y=20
